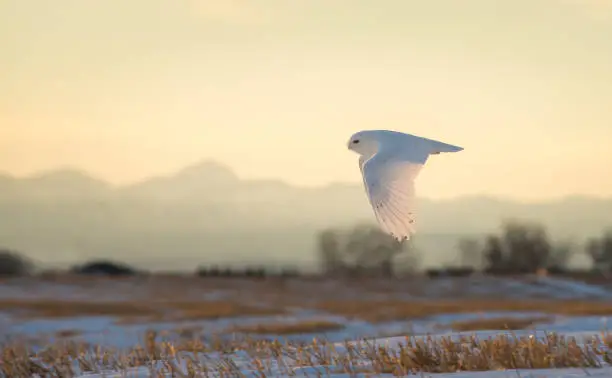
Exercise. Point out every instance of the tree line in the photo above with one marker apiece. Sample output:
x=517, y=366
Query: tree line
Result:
x=518, y=248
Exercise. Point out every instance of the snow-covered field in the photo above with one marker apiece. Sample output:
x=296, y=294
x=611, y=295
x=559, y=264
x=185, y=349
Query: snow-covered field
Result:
x=286, y=367
x=105, y=331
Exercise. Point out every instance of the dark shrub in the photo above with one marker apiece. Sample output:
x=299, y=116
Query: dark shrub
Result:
x=600, y=251
x=459, y=271
x=14, y=264
x=433, y=273
x=557, y=270
x=252, y=272
x=289, y=272
x=105, y=268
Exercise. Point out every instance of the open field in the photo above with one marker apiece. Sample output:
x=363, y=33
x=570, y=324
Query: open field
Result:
x=64, y=326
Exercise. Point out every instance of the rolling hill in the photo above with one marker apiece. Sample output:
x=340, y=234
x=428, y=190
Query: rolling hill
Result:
x=205, y=213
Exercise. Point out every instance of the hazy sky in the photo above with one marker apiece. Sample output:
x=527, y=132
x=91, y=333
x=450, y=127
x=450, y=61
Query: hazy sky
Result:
x=274, y=88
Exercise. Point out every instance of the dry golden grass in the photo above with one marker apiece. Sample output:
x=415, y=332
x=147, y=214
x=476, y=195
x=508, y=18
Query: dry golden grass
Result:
x=130, y=312
x=189, y=332
x=220, y=309
x=61, y=309
x=67, y=333
x=415, y=355
x=497, y=323
x=176, y=312
x=134, y=311
x=380, y=311
x=501, y=352
x=312, y=326
x=369, y=310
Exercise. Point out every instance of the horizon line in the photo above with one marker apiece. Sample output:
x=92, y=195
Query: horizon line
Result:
x=210, y=161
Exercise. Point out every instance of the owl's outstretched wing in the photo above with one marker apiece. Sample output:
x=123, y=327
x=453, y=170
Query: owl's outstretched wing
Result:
x=389, y=182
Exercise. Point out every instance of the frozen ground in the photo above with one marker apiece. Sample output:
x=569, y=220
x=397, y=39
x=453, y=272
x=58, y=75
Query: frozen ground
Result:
x=103, y=330
x=312, y=372
x=100, y=289
x=544, y=373
x=289, y=369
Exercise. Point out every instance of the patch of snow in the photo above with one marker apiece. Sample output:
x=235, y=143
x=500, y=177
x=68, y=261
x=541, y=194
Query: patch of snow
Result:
x=322, y=371
x=578, y=289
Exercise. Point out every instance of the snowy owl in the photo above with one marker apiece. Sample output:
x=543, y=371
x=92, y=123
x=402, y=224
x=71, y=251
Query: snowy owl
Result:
x=390, y=161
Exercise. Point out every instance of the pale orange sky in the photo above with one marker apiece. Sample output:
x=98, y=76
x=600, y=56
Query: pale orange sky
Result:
x=274, y=88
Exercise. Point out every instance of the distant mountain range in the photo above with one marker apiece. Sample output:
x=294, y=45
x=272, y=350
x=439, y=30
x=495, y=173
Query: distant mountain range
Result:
x=205, y=213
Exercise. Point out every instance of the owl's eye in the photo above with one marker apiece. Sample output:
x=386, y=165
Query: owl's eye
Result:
x=356, y=141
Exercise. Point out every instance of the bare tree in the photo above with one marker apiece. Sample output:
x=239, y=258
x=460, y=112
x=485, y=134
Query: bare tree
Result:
x=361, y=248
x=471, y=252
x=494, y=254
x=329, y=251
x=521, y=248
x=561, y=254
x=373, y=248
x=600, y=251
x=528, y=245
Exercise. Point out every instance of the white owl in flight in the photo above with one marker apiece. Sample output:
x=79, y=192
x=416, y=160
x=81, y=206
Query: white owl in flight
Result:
x=390, y=161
